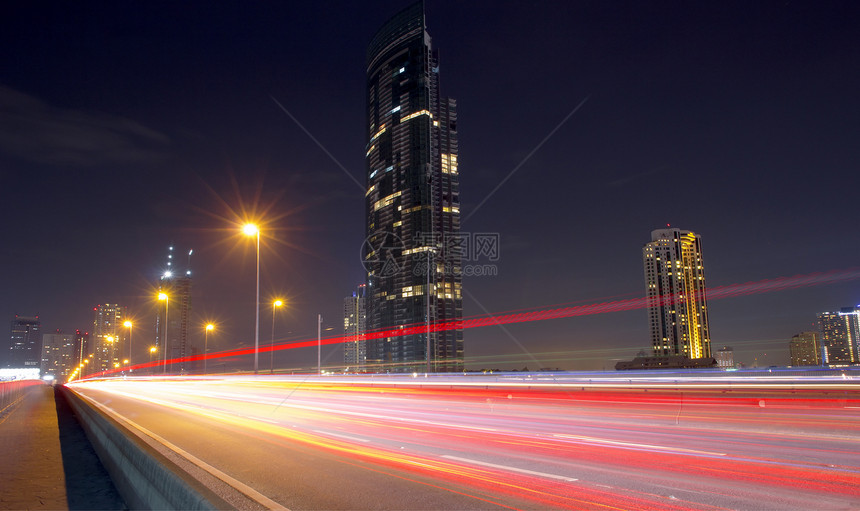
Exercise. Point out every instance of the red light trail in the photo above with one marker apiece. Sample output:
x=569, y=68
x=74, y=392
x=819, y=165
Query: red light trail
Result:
x=505, y=318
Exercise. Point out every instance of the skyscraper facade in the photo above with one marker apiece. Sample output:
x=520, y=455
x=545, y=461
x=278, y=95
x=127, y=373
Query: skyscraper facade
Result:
x=25, y=343
x=354, y=325
x=675, y=294
x=58, y=355
x=805, y=350
x=840, y=333
x=174, y=313
x=412, y=252
x=109, y=336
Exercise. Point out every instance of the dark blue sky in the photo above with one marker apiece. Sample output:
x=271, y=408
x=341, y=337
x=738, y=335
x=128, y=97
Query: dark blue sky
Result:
x=128, y=126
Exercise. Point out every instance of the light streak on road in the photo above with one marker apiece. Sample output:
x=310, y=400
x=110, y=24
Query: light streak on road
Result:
x=639, y=442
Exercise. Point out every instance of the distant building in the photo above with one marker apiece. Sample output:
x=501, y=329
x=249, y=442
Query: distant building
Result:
x=666, y=362
x=25, y=343
x=109, y=336
x=58, y=355
x=82, y=346
x=354, y=325
x=413, y=248
x=174, y=314
x=675, y=292
x=805, y=349
x=725, y=357
x=840, y=336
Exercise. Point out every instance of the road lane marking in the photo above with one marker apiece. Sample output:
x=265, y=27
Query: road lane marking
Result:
x=589, y=439
x=347, y=437
x=511, y=469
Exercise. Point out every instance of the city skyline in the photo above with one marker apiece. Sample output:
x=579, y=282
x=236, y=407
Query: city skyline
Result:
x=120, y=129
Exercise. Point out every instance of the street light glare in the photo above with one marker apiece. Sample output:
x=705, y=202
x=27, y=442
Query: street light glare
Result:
x=278, y=303
x=162, y=296
x=127, y=324
x=210, y=327
x=250, y=229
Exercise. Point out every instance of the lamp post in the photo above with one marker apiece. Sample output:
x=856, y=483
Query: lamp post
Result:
x=253, y=230
x=209, y=328
x=163, y=296
x=152, y=350
x=275, y=305
x=128, y=325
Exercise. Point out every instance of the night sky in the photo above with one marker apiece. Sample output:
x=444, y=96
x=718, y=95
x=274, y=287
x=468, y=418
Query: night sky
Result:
x=126, y=127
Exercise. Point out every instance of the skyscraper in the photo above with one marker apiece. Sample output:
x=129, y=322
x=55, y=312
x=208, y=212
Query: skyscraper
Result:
x=354, y=325
x=675, y=292
x=109, y=336
x=412, y=252
x=174, y=315
x=58, y=355
x=805, y=349
x=840, y=336
x=25, y=343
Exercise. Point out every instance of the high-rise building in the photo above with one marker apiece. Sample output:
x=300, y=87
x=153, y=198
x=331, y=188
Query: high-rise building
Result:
x=805, y=349
x=354, y=325
x=725, y=357
x=109, y=336
x=675, y=293
x=25, y=344
x=58, y=355
x=82, y=346
x=413, y=249
x=174, y=313
x=840, y=336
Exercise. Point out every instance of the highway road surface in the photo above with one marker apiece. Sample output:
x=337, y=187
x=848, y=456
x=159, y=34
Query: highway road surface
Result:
x=522, y=442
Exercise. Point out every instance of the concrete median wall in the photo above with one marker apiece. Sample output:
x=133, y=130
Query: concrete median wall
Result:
x=144, y=477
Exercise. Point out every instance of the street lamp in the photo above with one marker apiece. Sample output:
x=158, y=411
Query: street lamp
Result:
x=252, y=230
x=275, y=305
x=209, y=328
x=128, y=325
x=152, y=350
x=163, y=296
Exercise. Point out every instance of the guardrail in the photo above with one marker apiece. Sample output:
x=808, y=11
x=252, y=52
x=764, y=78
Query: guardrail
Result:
x=143, y=476
x=12, y=391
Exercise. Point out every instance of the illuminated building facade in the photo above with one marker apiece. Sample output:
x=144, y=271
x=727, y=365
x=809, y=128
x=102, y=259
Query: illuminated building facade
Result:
x=675, y=293
x=25, y=343
x=412, y=252
x=109, y=336
x=725, y=357
x=174, y=314
x=805, y=349
x=58, y=355
x=840, y=333
x=354, y=325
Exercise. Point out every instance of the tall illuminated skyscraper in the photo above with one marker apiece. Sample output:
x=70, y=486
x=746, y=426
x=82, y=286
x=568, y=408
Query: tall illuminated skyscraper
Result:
x=412, y=252
x=109, y=336
x=174, y=314
x=354, y=326
x=805, y=349
x=675, y=291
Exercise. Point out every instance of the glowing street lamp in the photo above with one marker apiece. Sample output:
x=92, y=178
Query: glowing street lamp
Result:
x=152, y=351
x=253, y=230
x=275, y=305
x=209, y=328
x=128, y=325
x=163, y=296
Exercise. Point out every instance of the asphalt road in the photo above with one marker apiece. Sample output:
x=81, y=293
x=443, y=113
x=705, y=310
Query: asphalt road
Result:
x=353, y=443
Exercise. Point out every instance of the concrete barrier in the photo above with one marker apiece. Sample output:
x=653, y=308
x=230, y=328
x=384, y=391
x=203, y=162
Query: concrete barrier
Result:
x=144, y=477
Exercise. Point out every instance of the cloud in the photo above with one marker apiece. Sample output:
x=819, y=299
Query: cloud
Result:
x=34, y=131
